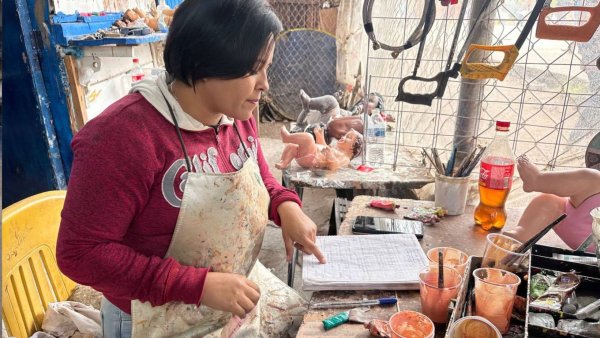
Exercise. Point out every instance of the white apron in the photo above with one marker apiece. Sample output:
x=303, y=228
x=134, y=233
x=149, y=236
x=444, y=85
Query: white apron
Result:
x=221, y=224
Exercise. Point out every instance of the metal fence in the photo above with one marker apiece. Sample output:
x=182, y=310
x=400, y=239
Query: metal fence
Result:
x=551, y=95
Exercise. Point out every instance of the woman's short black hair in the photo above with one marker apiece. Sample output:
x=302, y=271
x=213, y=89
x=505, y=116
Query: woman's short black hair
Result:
x=219, y=39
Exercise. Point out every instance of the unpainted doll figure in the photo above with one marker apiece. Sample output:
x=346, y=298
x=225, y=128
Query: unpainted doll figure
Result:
x=574, y=192
x=325, y=110
x=314, y=153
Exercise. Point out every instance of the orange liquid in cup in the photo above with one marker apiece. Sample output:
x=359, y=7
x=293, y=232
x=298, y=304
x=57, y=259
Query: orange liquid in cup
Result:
x=435, y=300
x=411, y=324
x=453, y=258
x=495, y=292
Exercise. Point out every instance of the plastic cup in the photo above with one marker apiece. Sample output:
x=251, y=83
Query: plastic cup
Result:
x=451, y=193
x=473, y=327
x=495, y=292
x=500, y=254
x=410, y=324
x=435, y=300
x=453, y=258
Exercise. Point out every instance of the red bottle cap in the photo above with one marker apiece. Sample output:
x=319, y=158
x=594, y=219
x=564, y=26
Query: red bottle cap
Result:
x=502, y=125
x=136, y=60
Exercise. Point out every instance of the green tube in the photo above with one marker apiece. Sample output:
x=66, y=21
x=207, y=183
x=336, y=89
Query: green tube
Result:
x=336, y=320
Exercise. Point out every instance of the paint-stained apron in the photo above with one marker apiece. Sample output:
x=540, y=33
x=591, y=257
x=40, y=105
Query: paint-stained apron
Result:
x=221, y=225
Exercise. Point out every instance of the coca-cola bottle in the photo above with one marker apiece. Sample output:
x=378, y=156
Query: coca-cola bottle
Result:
x=495, y=180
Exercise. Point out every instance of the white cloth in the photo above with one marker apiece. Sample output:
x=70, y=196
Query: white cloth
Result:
x=71, y=319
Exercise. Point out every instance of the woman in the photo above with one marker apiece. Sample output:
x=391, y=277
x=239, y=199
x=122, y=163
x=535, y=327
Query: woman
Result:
x=169, y=193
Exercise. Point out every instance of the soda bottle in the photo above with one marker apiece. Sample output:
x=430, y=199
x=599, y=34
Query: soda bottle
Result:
x=137, y=73
x=495, y=180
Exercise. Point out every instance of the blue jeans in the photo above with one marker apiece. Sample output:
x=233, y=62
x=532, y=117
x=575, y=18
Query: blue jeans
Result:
x=115, y=323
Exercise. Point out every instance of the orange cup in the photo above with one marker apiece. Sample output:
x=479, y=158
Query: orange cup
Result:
x=495, y=292
x=410, y=324
x=453, y=258
x=435, y=300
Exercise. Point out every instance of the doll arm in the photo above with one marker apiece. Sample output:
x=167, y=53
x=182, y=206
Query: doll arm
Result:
x=320, y=136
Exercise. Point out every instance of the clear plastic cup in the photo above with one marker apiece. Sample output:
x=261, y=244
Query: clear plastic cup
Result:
x=453, y=258
x=495, y=292
x=435, y=300
x=410, y=324
x=500, y=253
x=473, y=327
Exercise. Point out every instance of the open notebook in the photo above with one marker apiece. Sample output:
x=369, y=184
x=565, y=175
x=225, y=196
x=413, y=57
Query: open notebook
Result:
x=365, y=262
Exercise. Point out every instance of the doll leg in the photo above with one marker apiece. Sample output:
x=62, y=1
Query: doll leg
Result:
x=577, y=184
x=289, y=153
x=327, y=105
x=542, y=210
x=305, y=143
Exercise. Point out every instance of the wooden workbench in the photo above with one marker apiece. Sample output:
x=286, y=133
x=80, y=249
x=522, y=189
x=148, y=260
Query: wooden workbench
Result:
x=453, y=231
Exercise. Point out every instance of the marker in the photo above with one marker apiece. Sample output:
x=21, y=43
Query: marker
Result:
x=359, y=303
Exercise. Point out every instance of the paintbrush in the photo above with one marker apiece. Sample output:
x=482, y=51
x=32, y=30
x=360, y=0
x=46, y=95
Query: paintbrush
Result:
x=438, y=163
x=431, y=160
x=465, y=162
x=509, y=260
x=440, y=269
x=473, y=164
x=451, y=160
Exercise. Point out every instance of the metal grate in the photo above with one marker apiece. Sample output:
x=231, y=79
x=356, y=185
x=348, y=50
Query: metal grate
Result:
x=551, y=95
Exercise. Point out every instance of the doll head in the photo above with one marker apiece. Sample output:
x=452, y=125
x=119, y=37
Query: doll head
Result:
x=351, y=143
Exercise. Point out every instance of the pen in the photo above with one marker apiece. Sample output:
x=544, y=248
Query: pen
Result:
x=358, y=303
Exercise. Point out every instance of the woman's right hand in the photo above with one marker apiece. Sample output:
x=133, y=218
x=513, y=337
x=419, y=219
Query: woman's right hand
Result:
x=230, y=292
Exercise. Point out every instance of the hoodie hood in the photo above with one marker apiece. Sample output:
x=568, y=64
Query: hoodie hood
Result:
x=153, y=91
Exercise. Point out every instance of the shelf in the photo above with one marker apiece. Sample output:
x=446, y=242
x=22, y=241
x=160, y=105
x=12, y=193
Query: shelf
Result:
x=126, y=40
x=72, y=30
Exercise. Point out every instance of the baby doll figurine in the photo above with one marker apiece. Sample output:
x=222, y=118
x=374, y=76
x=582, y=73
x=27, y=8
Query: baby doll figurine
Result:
x=574, y=192
x=326, y=110
x=314, y=153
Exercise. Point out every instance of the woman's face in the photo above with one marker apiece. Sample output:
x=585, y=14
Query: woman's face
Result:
x=237, y=98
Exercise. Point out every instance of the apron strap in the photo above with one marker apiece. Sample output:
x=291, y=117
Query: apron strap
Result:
x=241, y=140
x=178, y=130
x=185, y=155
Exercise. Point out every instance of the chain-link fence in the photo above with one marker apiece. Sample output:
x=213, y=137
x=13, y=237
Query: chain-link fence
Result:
x=305, y=56
x=551, y=95
x=303, y=59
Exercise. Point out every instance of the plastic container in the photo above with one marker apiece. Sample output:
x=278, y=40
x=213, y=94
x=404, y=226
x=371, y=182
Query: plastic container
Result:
x=137, y=73
x=495, y=180
x=410, y=324
x=451, y=193
x=474, y=327
x=376, y=139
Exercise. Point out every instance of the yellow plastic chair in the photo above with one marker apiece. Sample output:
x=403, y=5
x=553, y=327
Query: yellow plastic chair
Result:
x=30, y=276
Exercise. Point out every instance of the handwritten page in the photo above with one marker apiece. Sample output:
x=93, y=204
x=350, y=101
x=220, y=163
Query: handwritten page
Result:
x=365, y=262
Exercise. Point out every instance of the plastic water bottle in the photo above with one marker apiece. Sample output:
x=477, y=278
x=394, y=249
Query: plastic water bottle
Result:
x=376, y=139
x=137, y=73
x=495, y=180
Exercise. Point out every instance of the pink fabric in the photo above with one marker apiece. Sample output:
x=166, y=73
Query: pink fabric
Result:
x=577, y=226
x=121, y=205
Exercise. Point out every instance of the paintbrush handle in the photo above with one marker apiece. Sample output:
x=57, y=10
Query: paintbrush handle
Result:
x=527, y=245
x=466, y=162
x=509, y=260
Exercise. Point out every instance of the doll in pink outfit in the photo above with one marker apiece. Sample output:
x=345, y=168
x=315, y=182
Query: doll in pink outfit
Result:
x=574, y=192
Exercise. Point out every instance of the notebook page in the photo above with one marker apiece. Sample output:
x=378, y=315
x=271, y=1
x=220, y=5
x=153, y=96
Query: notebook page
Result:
x=360, y=262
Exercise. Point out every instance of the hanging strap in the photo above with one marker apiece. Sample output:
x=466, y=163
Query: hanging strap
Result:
x=178, y=130
x=185, y=155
